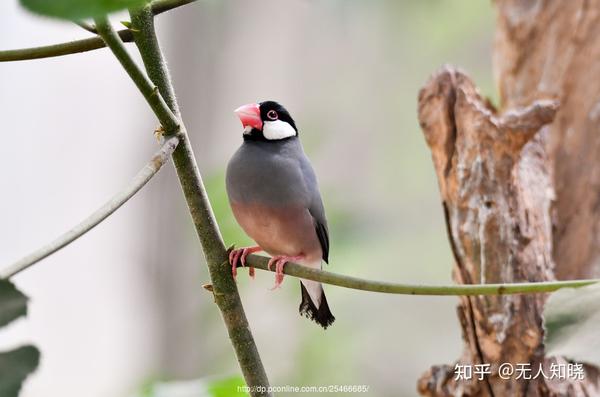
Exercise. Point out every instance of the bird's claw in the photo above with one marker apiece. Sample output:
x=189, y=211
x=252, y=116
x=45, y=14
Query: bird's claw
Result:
x=234, y=255
x=280, y=262
x=241, y=254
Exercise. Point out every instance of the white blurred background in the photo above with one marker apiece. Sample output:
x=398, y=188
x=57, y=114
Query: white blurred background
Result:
x=123, y=306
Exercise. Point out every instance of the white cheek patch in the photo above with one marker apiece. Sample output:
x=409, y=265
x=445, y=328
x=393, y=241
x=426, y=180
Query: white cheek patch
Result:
x=273, y=130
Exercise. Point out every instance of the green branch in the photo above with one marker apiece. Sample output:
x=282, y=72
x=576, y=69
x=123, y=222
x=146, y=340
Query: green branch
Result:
x=55, y=50
x=77, y=46
x=325, y=277
x=224, y=287
x=86, y=26
x=166, y=117
x=142, y=177
x=160, y=6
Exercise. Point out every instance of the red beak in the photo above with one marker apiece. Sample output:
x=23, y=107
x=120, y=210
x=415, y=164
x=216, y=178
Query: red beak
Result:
x=250, y=116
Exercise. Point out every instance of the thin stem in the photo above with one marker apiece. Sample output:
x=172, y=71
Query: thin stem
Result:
x=295, y=270
x=142, y=177
x=160, y=6
x=77, y=46
x=145, y=38
x=224, y=287
x=166, y=117
x=54, y=50
x=87, y=26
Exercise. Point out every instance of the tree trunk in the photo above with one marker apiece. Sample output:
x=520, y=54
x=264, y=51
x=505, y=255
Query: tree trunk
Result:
x=520, y=189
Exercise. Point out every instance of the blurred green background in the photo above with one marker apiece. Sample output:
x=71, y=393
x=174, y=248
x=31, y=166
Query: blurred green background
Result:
x=349, y=72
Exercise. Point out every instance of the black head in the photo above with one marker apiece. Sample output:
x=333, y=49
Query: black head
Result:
x=266, y=121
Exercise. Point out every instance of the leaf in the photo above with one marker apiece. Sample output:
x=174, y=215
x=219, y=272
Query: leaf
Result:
x=13, y=303
x=571, y=324
x=206, y=387
x=15, y=366
x=228, y=387
x=78, y=9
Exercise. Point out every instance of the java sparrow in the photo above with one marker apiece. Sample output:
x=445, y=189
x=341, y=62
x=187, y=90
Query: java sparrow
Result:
x=274, y=196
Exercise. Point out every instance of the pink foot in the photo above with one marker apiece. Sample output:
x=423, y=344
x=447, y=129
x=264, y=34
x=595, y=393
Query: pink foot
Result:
x=241, y=254
x=280, y=261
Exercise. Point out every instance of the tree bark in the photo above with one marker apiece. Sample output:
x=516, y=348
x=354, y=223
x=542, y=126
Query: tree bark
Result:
x=520, y=188
x=551, y=49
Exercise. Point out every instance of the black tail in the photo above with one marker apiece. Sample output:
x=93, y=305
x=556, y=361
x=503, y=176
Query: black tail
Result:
x=322, y=315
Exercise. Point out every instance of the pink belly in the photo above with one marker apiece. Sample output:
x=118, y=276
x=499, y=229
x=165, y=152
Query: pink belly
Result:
x=286, y=231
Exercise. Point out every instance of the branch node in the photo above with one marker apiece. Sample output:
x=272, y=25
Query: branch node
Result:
x=159, y=132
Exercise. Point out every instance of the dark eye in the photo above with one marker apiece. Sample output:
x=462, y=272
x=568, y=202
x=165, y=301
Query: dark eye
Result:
x=272, y=115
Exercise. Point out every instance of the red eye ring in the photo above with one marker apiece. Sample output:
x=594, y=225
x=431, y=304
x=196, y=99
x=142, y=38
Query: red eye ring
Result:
x=272, y=115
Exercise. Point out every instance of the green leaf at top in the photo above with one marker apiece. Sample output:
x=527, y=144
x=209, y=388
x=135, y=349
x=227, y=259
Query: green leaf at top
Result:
x=572, y=324
x=13, y=303
x=15, y=366
x=78, y=9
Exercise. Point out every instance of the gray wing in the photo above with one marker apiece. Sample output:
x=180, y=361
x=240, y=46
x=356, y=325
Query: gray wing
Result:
x=315, y=207
x=323, y=234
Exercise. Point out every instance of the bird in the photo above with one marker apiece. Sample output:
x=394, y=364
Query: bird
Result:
x=274, y=196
